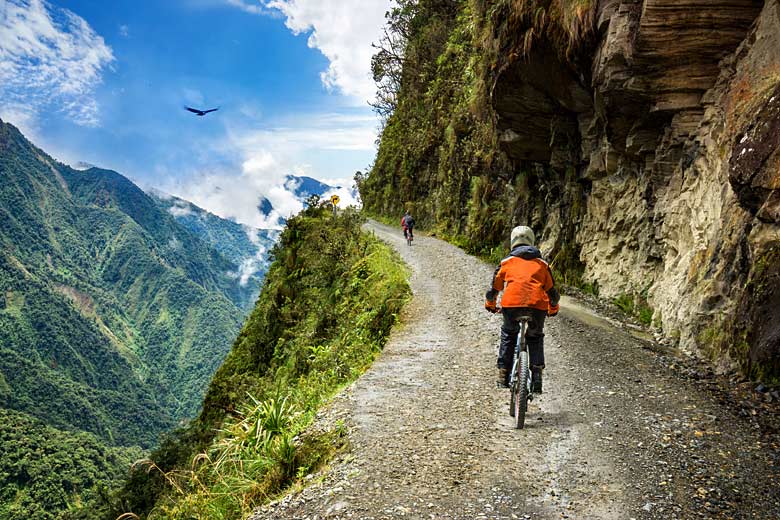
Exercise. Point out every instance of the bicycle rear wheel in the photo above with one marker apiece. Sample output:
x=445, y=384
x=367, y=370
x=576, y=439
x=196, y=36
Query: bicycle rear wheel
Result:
x=520, y=391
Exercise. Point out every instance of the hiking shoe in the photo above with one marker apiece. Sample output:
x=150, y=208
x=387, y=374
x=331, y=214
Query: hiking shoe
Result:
x=536, y=379
x=503, y=375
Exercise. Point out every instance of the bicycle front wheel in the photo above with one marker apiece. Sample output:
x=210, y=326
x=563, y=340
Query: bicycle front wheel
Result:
x=520, y=390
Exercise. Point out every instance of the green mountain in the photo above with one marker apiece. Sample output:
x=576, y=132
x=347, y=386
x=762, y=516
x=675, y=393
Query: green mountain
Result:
x=113, y=315
x=244, y=246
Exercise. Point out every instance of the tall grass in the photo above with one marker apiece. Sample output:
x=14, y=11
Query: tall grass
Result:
x=252, y=457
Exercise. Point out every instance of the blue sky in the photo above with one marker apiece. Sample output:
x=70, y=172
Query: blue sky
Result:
x=107, y=86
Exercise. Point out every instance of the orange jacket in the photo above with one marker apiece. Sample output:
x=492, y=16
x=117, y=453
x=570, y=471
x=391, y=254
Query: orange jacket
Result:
x=526, y=280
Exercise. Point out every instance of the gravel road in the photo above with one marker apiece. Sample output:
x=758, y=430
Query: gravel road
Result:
x=616, y=435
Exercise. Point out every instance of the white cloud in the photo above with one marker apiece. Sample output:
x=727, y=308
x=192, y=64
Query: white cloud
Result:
x=249, y=6
x=263, y=158
x=252, y=265
x=180, y=208
x=124, y=31
x=23, y=117
x=248, y=267
x=315, y=131
x=236, y=196
x=344, y=189
x=342, y=30
x=259, y=162
x=50, y=59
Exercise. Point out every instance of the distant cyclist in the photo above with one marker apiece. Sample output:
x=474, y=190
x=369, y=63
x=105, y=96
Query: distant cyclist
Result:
x=529, y=290
x=407, y=223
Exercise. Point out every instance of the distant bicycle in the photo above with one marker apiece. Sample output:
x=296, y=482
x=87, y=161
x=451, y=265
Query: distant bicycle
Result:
x=407, y=223
x=520, y=378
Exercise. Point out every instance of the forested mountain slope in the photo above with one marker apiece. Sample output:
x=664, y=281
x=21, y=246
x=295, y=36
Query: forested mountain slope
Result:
x=46, y=473
x=113, y=317
x=637, y=137
x=246, y=247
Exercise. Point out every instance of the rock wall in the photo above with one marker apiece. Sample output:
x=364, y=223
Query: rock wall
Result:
x=674, y=132
x=639, y=138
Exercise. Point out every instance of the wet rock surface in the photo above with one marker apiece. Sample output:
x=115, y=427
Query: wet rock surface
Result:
x=625, y=428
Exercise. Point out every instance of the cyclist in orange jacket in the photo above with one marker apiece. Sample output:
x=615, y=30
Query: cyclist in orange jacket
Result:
x=528, y=290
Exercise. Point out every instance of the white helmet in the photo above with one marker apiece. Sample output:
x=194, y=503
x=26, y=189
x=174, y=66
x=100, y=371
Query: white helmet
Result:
x=522, y=235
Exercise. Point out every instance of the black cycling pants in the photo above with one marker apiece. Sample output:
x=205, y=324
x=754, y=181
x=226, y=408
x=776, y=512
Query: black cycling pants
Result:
x=534, y=335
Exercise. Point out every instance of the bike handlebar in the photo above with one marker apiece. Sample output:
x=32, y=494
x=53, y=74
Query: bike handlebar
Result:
x=522, y=318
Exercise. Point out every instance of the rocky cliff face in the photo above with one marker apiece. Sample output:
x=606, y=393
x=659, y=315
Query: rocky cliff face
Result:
x=678, y=132
x=642, y=139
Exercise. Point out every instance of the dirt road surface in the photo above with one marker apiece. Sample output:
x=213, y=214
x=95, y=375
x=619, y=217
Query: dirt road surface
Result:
x=616, y=434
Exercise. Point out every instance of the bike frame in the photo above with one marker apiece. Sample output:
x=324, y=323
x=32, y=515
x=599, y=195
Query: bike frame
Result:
x=408, y=235
x=520, y=346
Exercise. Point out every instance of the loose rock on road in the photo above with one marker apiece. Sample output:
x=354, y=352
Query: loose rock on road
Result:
x=616, y=435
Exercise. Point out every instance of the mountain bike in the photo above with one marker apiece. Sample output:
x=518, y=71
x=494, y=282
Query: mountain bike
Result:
x=409, y=236
x=520, y=378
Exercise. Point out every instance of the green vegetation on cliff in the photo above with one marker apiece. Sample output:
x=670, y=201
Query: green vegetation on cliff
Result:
x=440, y=154
x=328, y=302
x=113, y=319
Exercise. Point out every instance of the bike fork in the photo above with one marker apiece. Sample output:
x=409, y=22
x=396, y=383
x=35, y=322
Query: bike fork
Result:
x=513, y=373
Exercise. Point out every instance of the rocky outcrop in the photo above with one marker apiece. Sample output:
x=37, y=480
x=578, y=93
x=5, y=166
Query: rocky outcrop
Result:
x=639, y=138
x=754, y=167
x=673, y=130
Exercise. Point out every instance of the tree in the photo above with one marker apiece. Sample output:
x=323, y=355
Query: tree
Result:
x=388, y=62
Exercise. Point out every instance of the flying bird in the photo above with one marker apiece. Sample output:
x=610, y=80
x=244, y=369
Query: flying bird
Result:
x=200, y=112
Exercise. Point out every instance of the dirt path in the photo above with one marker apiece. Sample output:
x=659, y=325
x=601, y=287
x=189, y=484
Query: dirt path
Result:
x=615, y=435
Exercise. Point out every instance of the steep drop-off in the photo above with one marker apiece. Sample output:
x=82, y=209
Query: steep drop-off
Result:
x=638, y=138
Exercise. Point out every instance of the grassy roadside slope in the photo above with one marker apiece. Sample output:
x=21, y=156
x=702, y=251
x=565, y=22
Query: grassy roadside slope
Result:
x=328, y=303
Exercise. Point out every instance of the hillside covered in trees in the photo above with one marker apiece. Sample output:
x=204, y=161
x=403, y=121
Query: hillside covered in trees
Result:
x=113, y=318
